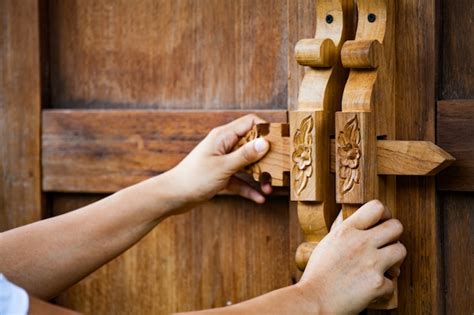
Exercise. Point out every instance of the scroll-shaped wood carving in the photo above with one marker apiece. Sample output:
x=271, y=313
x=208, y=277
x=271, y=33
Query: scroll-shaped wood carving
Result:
x=370, y=85
x=319, y=96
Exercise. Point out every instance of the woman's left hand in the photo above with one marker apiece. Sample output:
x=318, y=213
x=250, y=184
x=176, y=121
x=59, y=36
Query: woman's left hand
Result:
x=211, y=166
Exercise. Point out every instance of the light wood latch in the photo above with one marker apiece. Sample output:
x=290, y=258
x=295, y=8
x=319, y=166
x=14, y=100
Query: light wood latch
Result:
x=341, y=146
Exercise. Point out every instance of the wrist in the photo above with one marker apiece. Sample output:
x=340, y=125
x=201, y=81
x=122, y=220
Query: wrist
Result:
x=308, y=299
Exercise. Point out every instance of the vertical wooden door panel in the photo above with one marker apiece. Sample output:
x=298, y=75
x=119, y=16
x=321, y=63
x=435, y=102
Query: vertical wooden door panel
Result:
x=416, y=46
x=169, y=54
x=457, y=209
x=222, y=252
x=20, y=106
x=178, y=55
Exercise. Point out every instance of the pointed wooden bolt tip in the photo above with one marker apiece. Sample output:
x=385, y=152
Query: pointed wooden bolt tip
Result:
x=420, y=158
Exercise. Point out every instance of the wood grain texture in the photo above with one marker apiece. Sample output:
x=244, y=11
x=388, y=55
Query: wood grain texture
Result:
x=225, y=251
x=20, y=106
x=458, y=251
x=455, y=133
x=106, y=150
x=415, y=158
x=457, y=61
x=420, y=290
x=169, y=54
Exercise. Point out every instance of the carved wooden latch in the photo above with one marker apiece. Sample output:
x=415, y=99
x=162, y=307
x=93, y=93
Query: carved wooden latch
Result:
x=356, y=143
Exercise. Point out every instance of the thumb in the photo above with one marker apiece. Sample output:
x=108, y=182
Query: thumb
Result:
x=247, y=154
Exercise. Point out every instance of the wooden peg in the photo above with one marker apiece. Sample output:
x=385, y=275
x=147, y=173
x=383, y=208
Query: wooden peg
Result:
x=315, y=52
x=361, y=54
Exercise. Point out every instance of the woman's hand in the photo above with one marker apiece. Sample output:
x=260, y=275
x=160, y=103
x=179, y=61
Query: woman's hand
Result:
x=211, y=166
x=347, y=269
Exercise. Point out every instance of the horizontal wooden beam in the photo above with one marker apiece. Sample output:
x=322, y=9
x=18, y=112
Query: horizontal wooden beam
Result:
x=455, y=134
x=106, y=150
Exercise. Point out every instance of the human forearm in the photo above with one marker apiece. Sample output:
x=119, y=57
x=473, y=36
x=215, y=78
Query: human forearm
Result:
x=38, y=307
x=48, y=256
x=289, y=300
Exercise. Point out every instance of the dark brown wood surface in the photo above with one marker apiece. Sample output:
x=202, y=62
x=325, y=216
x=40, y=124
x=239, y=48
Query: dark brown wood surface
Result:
x=458, y=251
x=20, y=106
x=455, y=134
x=457, y=59
x=456, y=82
x=165, y=54
x=107, y=150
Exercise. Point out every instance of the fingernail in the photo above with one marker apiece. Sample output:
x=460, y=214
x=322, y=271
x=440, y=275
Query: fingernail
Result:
x=261, y=145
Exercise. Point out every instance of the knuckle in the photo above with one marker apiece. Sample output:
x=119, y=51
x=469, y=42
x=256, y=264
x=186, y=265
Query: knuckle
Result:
x=378, y=206
x=371, y=263
x=399, y=251
x=397, y=226
x=402, y=250
x=378, y=281
x=252, y=116
x=340, y=231
x=215, y=131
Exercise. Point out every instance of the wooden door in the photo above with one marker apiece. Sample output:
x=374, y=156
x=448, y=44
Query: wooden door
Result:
x=116, y=68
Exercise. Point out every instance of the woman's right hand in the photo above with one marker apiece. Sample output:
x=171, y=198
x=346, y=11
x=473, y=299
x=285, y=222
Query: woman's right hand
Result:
x=347, y=269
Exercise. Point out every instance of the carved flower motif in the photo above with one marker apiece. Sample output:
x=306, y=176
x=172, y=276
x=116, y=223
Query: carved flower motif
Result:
x=302, y=160
x=348, y=150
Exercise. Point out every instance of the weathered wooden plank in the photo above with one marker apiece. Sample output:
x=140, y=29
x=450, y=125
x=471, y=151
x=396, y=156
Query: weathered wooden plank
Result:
x=458, y=250
x=420, y=284
x=456, y=62
x=224, y=251
x=106, y=150
x=455, y=133
x=20, y=106
x=169, y=54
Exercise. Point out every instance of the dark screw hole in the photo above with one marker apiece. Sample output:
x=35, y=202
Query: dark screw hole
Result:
x=329, y=19
x=372, y=17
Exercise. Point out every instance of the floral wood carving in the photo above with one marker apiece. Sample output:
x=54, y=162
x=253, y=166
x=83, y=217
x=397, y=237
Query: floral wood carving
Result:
x=348, y=150
x=302, y=160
